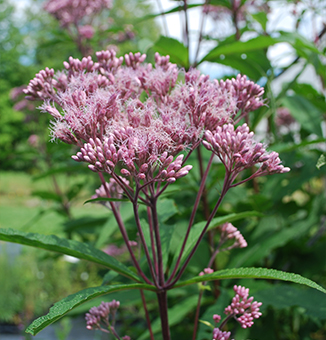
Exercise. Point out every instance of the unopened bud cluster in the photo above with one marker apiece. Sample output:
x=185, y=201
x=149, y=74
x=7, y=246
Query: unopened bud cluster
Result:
x=237, y=150
x=243, y=308
x=230, y=232
x=100, y=314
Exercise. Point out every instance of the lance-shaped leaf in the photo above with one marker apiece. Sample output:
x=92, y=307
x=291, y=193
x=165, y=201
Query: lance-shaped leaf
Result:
x=252, y=273
x=67, y=304
x=69, y=247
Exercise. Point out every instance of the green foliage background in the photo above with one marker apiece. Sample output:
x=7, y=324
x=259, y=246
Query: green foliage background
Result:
x=288, y=234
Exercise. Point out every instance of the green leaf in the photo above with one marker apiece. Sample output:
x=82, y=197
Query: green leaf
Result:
x=104, y=199
x=282, y=296
x=47, y=195
x=69, y=247
x=197, y=228
x=172, y=10
x=308, y=115
x=252, y=273
x=321, y=161
x=65, y=169
x=175, y=49
x=67, y=304
x=239, y=47
x=261, y=18
x=288, y=147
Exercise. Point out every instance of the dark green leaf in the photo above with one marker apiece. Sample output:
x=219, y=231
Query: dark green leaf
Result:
x=68, y=247
x=252, y=273
x=175, y=49
x=47, y=195
x=67, y=304
x=282, y=296
x=239, y=47
x=308, y=115
x=106, y=199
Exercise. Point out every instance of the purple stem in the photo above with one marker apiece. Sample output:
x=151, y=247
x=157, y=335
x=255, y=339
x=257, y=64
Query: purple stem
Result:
x=147, y=315
x=124, y=233
x=226, y=187
x=158, y=242
x=192, y=217
x=163, y=307
x=142, y=239
x=151, y=232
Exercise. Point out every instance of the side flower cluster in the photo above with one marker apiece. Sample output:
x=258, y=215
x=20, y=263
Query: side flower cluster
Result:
x=243, y=308
x=237, y=150
x=100, y=314
x=230, y=232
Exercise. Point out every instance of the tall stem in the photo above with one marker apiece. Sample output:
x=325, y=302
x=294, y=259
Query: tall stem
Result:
x=124, y=232
x=158, y=242
x=163, y=306
x=147, y=315
x=142, y=238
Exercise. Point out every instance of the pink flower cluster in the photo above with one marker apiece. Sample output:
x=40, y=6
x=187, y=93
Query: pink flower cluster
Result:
x=228, y=232
x=101, y=313
x=206, y=271
x=220, y=335
x=141, y=117
x=243, y=308
x=72, y=11
x=237, y=150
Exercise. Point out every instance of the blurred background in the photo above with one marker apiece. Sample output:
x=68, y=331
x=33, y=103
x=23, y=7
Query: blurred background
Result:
x=279, y=44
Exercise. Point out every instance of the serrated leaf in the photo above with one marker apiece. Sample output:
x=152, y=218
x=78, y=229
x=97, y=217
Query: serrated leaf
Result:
x=67, y=304
x=252, y=273
x=321, y=161
x=175, y=49
x=69, y=247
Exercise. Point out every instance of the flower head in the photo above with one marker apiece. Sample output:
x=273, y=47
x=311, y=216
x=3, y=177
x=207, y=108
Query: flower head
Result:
x=237, y=150
x=228, y=232
x=71, y=11
x=243, y=308
x=219, y=335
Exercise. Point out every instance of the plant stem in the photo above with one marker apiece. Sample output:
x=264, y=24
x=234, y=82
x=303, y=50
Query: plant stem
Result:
x=192, y=217
x=226, y=187
x=147, y=315
x=163, y=307
x=124, y=232
x=158, y=242
x=142, y=238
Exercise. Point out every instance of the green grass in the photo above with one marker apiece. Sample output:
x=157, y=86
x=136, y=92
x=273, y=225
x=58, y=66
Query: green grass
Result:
x=19, y=209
